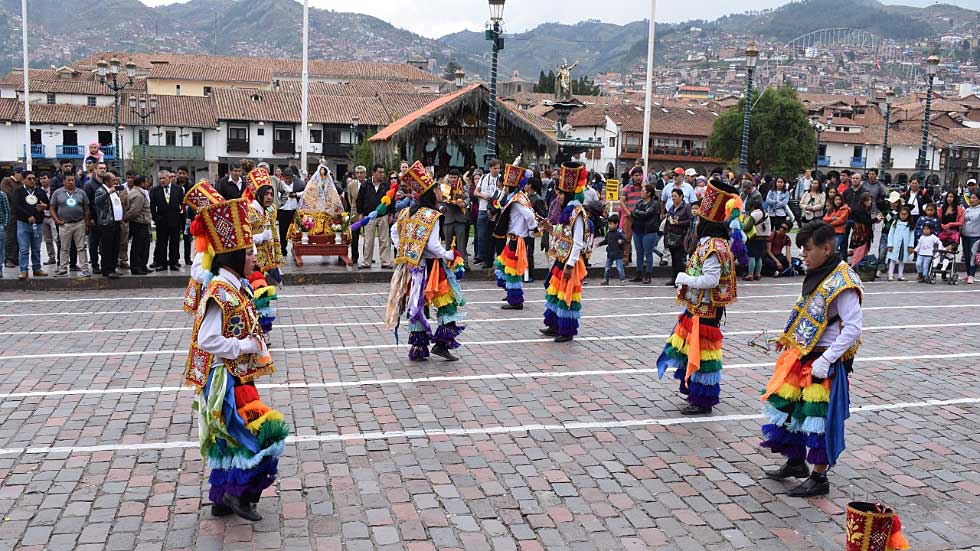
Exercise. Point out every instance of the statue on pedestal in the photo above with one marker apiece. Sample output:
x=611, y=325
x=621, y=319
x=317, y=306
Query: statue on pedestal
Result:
x=563, y=82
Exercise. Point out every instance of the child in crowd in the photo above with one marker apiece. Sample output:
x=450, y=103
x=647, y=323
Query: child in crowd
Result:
x=924, y=251
x=615, y=242
x=779, y=254
x=928, y=218
x=900, y=244
x=757, y=226
x=837, y=215
x=691, y=239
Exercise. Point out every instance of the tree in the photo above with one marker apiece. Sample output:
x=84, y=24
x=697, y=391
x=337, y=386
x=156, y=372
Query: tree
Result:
x=361, y=154
x=781, y=140
x=449, y=73
x=585, y=86
x=546, y=83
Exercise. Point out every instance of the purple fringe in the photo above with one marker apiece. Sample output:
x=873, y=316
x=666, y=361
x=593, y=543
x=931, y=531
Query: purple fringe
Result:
x=266, y=324
x=679, y=374
x=550, y=318
x=515, y=296
x=567, y=327
x=817, y=456
x=705, y=396
x=783, y=442
x=419, y=340
x=239, y=482
x=446, y=335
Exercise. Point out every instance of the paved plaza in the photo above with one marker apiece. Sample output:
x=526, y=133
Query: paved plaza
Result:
x=523, y=444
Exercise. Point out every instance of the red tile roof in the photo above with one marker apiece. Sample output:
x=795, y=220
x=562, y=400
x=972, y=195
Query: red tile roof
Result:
x=212, y=73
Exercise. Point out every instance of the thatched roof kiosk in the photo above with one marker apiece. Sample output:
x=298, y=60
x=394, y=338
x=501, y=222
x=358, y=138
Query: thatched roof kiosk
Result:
x=451, y=131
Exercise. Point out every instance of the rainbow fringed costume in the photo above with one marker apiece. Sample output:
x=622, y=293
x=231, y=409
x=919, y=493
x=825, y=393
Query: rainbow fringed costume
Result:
x=708, y=285
x=570, y=244
x=240, y=437
x=800, y=412
x=423, y=278
x=515, y=222
x=263, y=297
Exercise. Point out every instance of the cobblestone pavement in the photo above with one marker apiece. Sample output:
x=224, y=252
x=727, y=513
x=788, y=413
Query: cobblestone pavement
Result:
x=523, y=444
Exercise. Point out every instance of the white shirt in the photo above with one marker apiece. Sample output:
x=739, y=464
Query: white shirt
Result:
x=839, y=337
x=117, y=209
x=521, y=220
x=689, y=196
x=287, y=188
x=710, y=273
x=578, y=241
x=209, y=337
x=488, y=186
x=433, y=247
x=927, y=245
x=591, y=194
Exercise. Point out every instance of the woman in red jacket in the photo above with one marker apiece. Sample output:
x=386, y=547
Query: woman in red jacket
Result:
x=837, y=216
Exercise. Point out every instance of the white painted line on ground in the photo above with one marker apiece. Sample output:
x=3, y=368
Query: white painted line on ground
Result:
x=672, y=313
x=382, y=306
x=452, y=378
x=429, y=433
x=287, y=295
x=390, y=346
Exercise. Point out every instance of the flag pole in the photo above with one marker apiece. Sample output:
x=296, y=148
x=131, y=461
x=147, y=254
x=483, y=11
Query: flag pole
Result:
x=27, y=87
x=304, y=131
x=649, y=94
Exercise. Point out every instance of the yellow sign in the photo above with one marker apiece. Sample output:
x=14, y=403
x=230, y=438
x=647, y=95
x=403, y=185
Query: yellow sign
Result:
x=612, y=190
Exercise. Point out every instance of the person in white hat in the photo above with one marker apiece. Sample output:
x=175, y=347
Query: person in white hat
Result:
x=888, y=218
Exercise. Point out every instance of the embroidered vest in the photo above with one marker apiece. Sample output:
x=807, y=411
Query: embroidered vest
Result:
x=809, y=320
x=501, y=229
x=192, y=296
x=413, y=234
x=705, y=302
x=563, y=237
x=239, y=320
x=268, y=255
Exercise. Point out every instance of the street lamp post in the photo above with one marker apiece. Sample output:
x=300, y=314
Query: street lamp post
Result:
x=819, y=128
x=459, y=75
x=751, y=59
x=885, y=153
x=142, y=108
x=354, y=138
x=109, y=76
x=932, y=67
x=494, y=34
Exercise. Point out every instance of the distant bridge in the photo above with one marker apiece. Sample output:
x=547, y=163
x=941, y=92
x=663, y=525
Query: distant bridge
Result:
x=840, y=37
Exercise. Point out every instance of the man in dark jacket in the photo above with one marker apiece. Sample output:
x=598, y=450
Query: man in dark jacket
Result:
x=232, y=184
x=166, y=208
x=28, y=206
x=368, y=198
x=108, y=214
x=99, y=177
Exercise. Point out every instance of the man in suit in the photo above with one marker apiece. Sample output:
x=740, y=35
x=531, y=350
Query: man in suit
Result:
x=456, y=213
x=185, y=183
x=231, y=185
x=166, y=208
x=139, y=217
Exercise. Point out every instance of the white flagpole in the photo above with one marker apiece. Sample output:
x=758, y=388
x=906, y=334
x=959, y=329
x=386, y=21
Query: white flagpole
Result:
x=304, y=131
x=27, y=87
x=649, y=95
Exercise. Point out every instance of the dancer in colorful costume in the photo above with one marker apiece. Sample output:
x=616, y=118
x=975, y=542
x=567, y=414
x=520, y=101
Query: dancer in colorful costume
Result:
x=806, y=400
x=694, y=349
x=422, y=278
x=268, y=251
x=515, y=223
x=199, y=197
x=240, y=437
x=570, y=245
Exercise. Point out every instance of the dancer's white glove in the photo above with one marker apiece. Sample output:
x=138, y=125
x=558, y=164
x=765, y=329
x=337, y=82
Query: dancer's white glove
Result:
x=820, y=368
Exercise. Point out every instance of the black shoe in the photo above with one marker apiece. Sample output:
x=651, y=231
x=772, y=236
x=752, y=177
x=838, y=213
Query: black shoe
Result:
x=160, y=269
x=789, y=470
x=220, y=510
x=512, y=307
x=811, y=487
x=154, y=266
x=550, y=331
x=638, y=278
x=175, y=268
x=243, y=510
x=138, y=272
x=563, y=338
x=444, y=353
x=188, y=261
x=692, y=409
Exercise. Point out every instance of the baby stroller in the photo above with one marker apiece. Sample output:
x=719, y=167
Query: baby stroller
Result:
x=944, y=264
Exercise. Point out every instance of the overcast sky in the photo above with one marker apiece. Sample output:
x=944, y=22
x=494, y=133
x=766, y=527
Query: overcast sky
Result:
x=435, y=18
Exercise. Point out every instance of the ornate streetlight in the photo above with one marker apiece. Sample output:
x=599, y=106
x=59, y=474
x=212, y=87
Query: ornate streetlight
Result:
x=109, y=76
x=142, y=108
x=885, y=152
x=494, y=33
x=932, y=67
x=751, y=60
x=818, y=127
x=459, y=75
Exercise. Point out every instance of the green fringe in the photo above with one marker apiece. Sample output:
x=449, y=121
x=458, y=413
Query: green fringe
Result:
x=263, y=302
x=553, y=300
x=272, y=431
x=214, y=452
x=798, y=414
x=815, y=409
x=710, y=366
x=780, y=403
x=447, y=310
